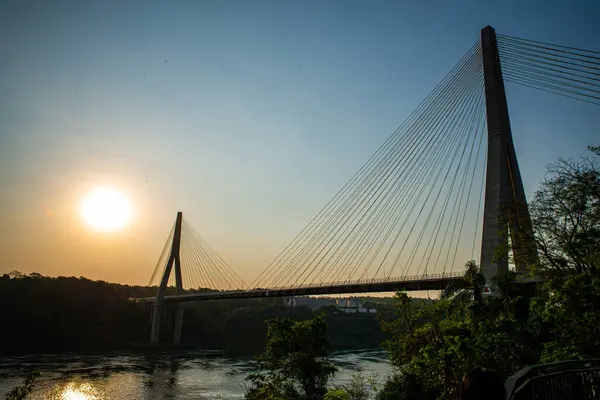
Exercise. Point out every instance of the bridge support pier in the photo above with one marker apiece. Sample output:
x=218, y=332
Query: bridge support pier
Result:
x=505, y=207
x=178, y=324
x=156, y=316
x=160, y=296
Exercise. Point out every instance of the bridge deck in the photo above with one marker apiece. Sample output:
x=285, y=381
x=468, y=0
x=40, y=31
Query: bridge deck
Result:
x=428, y=282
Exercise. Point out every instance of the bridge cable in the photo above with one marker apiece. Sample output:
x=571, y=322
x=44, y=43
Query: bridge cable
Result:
x=455, y=206
x=409, y=234
x=461, y=194
x=385, y=212
x=388, y=202
x=371, y=191
x=216, y=279
x=233, y=280
x=193, y=259
x=534, y=43
x=465, y=117
x=479, y=215
x=344, y=190
x=204, y=267
x=466, y=202
x=439, y=166
x=370, y=218
x=565, y=76
x=162, y=258
x=561, y=70
x=393, y=166
x=419, y=175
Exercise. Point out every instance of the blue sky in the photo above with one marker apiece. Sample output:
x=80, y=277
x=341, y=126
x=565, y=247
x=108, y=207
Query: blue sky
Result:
x=246, y=115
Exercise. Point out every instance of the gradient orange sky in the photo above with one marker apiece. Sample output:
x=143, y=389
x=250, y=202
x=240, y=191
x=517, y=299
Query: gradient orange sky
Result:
x=246, y=116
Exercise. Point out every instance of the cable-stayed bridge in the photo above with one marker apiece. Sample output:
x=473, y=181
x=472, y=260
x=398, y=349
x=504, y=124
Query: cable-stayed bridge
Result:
x=444, y=188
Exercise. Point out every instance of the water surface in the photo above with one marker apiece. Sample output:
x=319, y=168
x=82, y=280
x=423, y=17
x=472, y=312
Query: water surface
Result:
x=173, y=375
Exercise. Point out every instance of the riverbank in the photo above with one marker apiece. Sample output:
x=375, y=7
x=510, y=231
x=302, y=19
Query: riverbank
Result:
x=175, y=375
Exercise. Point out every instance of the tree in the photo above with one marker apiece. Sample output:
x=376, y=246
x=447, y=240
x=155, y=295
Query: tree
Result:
x=469, y=287
x=337, y=394
x=568, y=318
x=436, y=343
x=295, y=363
x=360, y=387
x=406, y=387
x=565, y=215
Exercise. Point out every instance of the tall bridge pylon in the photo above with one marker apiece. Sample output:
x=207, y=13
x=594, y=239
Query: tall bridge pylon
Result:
x=188, y=263
x=174, y=260
x=406, y=220
x=505, y=206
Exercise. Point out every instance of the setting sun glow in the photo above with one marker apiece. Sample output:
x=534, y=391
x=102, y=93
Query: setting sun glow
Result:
x=106, y=209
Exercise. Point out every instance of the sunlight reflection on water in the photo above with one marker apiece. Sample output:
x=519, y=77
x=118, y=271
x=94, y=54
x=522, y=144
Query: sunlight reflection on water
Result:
x=158, y=376
x=83, y=391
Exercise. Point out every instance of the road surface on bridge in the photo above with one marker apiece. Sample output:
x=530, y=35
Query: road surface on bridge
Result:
x=412, y=283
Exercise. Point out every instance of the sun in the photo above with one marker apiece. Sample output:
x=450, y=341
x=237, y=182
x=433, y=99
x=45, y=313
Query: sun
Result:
x=106, y=209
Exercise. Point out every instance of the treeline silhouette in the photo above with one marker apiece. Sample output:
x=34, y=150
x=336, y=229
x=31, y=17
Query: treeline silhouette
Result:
x=64, y=314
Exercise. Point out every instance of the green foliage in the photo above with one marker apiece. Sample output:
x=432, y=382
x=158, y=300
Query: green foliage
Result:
x=434, y=345
x=360, y=387
x=565, y=214
x=568, y=316
x=57, y=314
x=22, y=391
x=77, y=314
x=468, y=290
x=295, y=363
x=337, y=394
x=594, y=149
x=406, y=387
x=354, y=331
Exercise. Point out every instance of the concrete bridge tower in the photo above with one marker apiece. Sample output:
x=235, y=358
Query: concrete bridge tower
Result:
x=174, y=259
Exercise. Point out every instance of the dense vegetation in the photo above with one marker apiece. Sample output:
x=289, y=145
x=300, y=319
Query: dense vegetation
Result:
x=295, y=363
x=434, y=344
x=77, y=314
x=431, y=343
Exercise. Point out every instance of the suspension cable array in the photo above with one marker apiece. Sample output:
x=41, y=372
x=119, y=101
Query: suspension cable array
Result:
x=201, y=267
x=405, y=211
x=415, y=207
x=562, y=70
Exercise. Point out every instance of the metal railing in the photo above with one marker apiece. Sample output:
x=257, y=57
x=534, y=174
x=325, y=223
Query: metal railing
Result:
x=566, y=380
x=358, y=282
x=410, y=278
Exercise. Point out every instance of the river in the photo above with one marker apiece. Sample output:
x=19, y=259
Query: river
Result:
x=189, y=375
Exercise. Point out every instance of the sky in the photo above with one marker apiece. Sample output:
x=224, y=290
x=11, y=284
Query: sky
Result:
x=247, y=116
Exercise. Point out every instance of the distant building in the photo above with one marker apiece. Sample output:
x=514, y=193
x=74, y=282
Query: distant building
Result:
x=311, y=302
x=290, y=302
x=347, y=305
x=353, y=306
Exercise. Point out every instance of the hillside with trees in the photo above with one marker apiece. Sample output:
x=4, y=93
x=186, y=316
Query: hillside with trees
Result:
x=76, y=314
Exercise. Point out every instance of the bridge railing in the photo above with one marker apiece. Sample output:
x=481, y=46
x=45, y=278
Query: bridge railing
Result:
x=554, y=381
x=372, y=281
x=406, y=278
